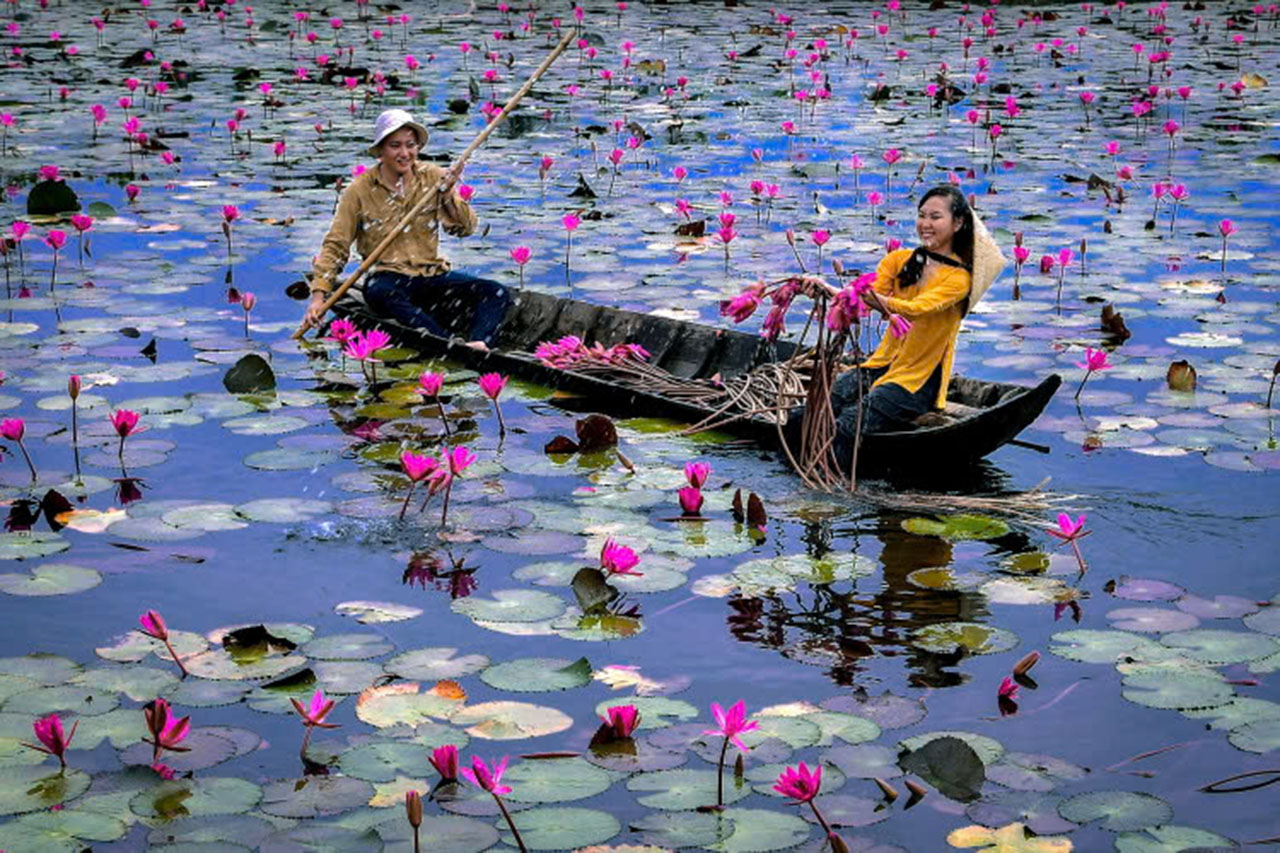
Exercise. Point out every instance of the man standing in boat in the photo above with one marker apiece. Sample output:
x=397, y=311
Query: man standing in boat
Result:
x=410, y=284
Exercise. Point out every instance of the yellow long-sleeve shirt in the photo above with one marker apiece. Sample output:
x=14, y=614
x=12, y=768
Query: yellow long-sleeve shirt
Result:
x=368, y=208
x=933, y=307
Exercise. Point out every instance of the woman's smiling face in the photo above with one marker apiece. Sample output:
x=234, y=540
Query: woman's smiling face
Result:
x=935, y=224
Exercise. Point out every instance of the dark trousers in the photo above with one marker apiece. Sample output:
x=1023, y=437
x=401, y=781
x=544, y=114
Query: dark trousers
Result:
x=449, y=305
x=886, y=408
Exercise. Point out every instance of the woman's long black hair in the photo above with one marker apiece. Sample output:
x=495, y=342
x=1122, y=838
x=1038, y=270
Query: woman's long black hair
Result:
x=961, y=243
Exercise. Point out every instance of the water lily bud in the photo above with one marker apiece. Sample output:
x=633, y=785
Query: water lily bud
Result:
x=1017, y=238
x=1181, y=376
x=791, y=237
x=916, y=789
x=73, y=386
x=1084, y=246
x=413, y=808
x=1275, y=371
x=837, y=266
x=890, y=793
x=1023, y=666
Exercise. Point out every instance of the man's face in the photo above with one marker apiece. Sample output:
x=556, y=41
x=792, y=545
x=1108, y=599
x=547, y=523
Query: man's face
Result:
x=398, y=153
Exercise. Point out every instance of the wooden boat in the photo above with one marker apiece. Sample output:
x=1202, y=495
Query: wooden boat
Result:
x=979, y=417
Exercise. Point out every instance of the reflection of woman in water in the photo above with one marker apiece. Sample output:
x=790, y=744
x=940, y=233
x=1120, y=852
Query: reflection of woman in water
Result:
x=932, y=286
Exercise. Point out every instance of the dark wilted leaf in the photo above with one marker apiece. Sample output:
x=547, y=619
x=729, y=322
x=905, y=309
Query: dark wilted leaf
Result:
x=1181, y=376
x=1113, y=323
x=593, y=592
x=948, y=764
x=755, y=512
x=250, y=375
x=739, y=515
x=583, y=190
x=561, y=444
x=49, y=198
x=596, y=432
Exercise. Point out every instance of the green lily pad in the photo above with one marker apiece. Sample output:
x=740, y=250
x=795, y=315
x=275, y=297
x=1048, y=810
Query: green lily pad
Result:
x=31, y=545
x=283, y=510
x=1153, y=620
x=314, y=796
x=1266, y=621
x=1025, y=772
x=51, y=832
x=988, y=749
x=511, y=720
x=1161, y=839
x=1089, y=646
x=958, y=528
x=135, y=646
x=655, y=711
x=1221, y=647
x=978, y=639
x=555, y=780
x=1038, y=811
x=347, y=647
x=197, y=797
x=949, y=764
x=440, y=834
x=204, y=833
x=537, y=675
x=759, y=831
x=384, y=760
x=864, y=761
x=682, y=829
x=402, y=703
x=41, y=667
x=511, y=605
x=50, y=579
x=1117, y=811
x=289, y=459
x=218, y=664
x=432, y=664
x=561, y=828
x=323, y=836
x=38, y=788
x=848, y=810
x=887, y=710
x=139, y=683
x=208, y=749
x=1180, y=690
x=1262, y=736
x=377, y=612
x=685, y=789
x=207, y=517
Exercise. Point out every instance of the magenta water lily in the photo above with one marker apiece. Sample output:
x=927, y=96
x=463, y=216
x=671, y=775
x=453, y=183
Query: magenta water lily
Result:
x=53, y=741
x=730, y=725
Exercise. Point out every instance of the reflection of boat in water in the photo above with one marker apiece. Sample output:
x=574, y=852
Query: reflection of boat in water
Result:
x=980, y=416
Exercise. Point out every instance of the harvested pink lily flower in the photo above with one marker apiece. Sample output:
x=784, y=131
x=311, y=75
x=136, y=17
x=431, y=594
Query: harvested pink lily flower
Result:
x=491, y=384
x=691, y=500
x=697, y=473
x=480, y=775
x=618, y=559
x=313, y=715
x=742, y=306
x=13, y=429
x=732, y=723
x=167, y=731
x=1094, y=360
x=445, y=760
x=416, y=468
x=153, y=626
x=899, y=326
x=622, y=720
x=1071, y=531
x=48, y=730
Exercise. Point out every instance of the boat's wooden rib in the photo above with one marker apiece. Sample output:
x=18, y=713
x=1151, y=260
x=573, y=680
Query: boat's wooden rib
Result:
x=980, y=417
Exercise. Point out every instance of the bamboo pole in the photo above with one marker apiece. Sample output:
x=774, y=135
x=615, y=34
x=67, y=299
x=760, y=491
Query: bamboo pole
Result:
x=452, y=175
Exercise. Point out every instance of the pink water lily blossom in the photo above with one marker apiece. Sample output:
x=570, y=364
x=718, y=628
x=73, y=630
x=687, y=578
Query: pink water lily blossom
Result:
x=732, y=723
x=1008, y=689
x=153, y=625
x=1094, y=360
x=616, y=559
x=125, y=422
x=417, y=467
x=430, y=383
x=799, y=783
x=691, y=500
x=1071, y=532
x=696, y=473
x=53, y=740
x=313, y=714
x=491, y=384
x=445, y=760
x=483, y=776
x=167, y=730
x=622, y=720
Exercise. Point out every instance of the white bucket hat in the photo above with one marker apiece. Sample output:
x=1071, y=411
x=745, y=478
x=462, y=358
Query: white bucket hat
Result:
x=388, y=122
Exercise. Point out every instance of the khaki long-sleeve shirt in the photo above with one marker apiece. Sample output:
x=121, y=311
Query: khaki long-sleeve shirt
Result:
x=369, y=207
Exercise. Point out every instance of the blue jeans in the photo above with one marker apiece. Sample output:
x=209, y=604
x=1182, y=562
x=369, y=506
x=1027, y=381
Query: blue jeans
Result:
x=453, y=304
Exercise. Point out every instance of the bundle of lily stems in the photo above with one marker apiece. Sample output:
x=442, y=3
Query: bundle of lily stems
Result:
x=771, y=392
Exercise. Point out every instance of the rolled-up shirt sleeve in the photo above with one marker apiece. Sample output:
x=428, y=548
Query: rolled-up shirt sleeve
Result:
x=336, y=247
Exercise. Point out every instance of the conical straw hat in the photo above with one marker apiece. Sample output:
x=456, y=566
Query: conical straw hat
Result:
x=988, y=262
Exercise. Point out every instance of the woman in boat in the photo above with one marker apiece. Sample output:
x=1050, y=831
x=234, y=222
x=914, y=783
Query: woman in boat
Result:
x=932, y=287
x=410, y=284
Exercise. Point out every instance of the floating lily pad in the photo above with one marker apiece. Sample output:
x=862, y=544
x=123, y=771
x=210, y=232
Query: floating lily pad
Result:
x=1014, y=838
x=759, y=831
x=53, y=832
x=1151, y=619
x=1025, y=772
x=1038, y=811
x=864, y=761
x=684, y=789
x=1266, y=621
x=1138, y=589
x=535, y=675
x=511, y=720
x=655, y=711
x=1117, y=811
x=440, y=834
x=31, y=545
x=1221, y=647
x=561, y=828
x=682, y=829
x=1158, y=839
x=347, y=647
x=434, y=663
x=377, y=612
x=958, y=528
x=314, y=796
x=512, y=605
x=50, y=579
x=977, y=639
x=41, y=667
x=38, y=788
x=949, y=764
x=887, y=710
x=556, y=780
x=1262, y=736
x=197, y=797
x=283, y=510
x=204, y=833
x=1089, y=646
x=404, y=703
